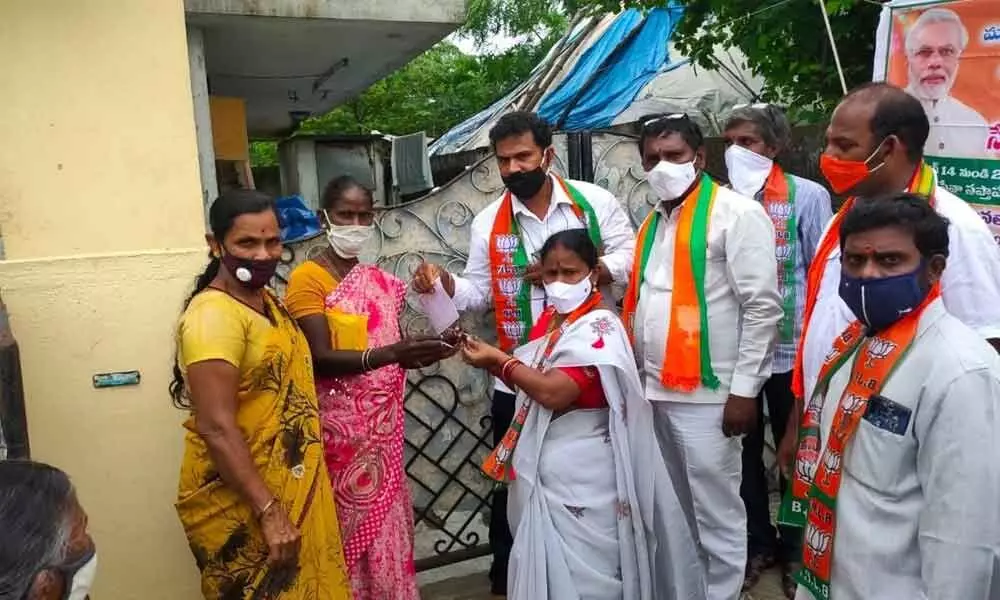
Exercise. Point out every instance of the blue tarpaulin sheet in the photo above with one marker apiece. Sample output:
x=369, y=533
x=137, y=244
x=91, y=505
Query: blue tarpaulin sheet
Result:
x=297, y=222
x=609, y=74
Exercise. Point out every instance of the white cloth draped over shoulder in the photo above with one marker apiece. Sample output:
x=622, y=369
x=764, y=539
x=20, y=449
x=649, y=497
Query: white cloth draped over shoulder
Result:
x=594, y=512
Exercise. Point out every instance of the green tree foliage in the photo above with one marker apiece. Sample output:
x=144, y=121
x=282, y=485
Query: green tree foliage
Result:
x=437, y=90
x=444, y=86
x=785, y=42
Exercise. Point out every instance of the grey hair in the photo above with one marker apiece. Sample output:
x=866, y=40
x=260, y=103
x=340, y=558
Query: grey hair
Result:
x=936, y=15
x=770, y=122
x=35, y=523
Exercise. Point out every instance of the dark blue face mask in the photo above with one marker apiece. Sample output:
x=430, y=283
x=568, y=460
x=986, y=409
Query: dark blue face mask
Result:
x=880, y=302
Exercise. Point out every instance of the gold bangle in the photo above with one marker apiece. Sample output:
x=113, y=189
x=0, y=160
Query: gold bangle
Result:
x=267, y=507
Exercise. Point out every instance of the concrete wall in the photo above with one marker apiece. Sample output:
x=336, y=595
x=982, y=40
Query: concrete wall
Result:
x=101, y=216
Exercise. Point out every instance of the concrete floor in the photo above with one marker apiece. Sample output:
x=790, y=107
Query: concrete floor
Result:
x=476, y=587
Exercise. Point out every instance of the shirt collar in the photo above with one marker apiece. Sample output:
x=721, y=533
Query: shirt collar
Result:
x=558, y=197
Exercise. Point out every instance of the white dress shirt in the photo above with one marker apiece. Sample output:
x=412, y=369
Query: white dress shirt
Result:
x=970, y=286
x=741, y=293
x=956, y=129
x=474, y=291
x=918, y=511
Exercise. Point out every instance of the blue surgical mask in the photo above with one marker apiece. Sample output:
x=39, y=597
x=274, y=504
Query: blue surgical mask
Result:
x=880, y=302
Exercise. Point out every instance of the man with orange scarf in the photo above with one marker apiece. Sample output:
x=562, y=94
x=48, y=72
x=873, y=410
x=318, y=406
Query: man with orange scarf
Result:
x=896, y=479
x=703, y=308
x=503, y=273
x=875, y=144
x=799, y=209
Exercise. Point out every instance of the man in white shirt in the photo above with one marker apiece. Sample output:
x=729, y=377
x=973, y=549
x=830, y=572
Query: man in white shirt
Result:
x=934, y=46
x=799, y=209
x=897, y=480
x=874, y=149
x=704, y=315
x=510, y=230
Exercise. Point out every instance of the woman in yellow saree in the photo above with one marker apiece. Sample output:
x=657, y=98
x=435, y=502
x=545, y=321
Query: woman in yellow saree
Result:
x=254, y=496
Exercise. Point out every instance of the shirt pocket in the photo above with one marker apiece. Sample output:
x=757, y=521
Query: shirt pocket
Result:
x=877, y=457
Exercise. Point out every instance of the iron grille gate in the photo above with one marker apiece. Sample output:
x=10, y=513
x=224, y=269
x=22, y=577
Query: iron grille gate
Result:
x=448, y=428
x=457, y=519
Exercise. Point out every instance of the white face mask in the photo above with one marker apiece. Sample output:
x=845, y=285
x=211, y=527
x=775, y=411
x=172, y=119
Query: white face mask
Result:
x=670, y=180
x=83, y=580
x=567, y=297
x=347, y=241
x=747, y=170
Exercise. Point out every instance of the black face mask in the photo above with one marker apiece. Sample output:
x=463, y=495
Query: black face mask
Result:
x=525, y=184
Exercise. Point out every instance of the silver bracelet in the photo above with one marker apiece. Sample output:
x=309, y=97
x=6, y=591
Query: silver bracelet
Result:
x=366, y=364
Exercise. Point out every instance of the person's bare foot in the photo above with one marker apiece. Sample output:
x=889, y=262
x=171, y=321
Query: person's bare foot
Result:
x=756, y=566
x=788, y=584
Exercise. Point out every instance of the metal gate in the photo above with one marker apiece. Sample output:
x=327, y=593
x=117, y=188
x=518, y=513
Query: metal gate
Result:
x=448, y=428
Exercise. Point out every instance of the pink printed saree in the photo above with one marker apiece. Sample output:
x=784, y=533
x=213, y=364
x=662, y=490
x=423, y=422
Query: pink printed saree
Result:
x=362, y=419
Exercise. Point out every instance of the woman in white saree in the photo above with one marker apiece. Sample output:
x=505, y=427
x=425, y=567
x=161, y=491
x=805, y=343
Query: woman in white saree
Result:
x=592, y=507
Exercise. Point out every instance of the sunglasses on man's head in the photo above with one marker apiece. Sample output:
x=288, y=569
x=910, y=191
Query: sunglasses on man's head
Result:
x=668, y=117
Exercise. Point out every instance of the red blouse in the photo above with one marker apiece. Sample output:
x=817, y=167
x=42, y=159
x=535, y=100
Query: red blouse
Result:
x=588, y=379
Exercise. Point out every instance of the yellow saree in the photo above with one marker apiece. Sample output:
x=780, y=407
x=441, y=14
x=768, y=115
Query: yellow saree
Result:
x=278, y=415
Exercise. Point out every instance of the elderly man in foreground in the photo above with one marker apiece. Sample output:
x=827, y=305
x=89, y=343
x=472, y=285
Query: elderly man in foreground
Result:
x=45, y=550
x=799, y=210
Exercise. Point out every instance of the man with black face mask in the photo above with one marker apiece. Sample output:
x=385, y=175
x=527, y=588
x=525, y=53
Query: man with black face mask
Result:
x=503, y=270
x=874, y=148
x=896, y=478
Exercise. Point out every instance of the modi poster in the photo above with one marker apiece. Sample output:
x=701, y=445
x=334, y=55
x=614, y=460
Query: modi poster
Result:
x=947, y=55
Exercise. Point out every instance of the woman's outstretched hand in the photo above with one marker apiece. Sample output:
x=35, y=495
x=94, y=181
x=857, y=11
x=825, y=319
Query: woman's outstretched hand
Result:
x=420, y=351
x=480, y=354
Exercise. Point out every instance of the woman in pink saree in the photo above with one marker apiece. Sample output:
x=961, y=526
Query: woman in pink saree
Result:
x=349, y=313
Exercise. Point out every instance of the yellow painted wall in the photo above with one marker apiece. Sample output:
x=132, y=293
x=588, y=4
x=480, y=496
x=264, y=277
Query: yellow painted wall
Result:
x=229, y=128
x=101, y=218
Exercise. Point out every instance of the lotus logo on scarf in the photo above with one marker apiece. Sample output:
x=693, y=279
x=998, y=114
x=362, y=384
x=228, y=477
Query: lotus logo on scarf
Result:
x=513, y=330
x=852, y=403
x=877, y=350
x=804, y=468
x=817, y=541
x=507, y=243
x=831, y=461
x=783, y=252
x=510, y=287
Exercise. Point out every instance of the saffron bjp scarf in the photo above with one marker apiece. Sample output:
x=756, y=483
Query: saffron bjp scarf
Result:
x=923, y=183
x=687, y=361
x=779, y=202
x=509, y=262
x=496, y=465
x=811, y=501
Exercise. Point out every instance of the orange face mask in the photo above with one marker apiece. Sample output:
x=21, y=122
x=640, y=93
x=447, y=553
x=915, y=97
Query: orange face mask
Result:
x=844, y=175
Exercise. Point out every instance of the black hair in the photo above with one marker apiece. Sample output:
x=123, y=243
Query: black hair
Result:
x=337, y=187
x=520, y=122
x=909, y=212
x=654, y=126
x=895, y=113
x=35, y=526
x=221, y=216
x=576, y=241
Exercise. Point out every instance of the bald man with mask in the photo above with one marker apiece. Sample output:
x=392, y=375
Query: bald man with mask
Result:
x=874, y=149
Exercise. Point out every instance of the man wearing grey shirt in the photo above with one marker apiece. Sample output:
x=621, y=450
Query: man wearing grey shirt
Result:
x=800, y=210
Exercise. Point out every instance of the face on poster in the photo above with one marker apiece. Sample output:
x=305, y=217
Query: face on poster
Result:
x=947, y=55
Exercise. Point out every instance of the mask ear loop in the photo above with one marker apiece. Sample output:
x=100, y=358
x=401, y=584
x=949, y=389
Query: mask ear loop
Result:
x=326, y=218
x=872, y=155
